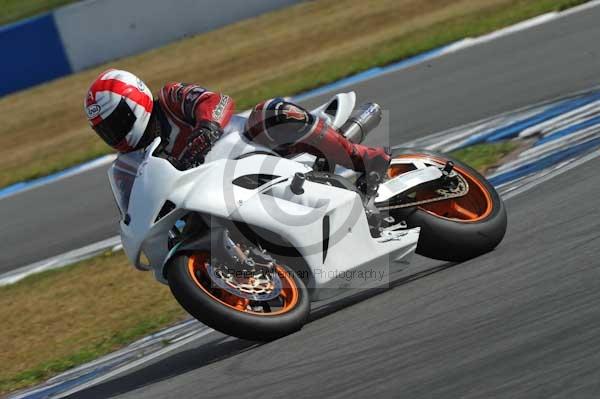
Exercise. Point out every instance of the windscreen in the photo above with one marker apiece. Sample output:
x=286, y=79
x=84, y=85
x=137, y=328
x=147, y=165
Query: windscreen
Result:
x=122, y=174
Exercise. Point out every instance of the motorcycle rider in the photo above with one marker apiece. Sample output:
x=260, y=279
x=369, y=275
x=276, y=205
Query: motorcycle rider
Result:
x=190, y=119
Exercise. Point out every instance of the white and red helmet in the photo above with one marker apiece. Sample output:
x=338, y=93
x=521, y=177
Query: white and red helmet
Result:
x=118, y=106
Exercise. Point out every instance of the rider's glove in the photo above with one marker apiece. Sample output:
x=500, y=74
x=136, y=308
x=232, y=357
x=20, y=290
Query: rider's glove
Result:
x=200, y=142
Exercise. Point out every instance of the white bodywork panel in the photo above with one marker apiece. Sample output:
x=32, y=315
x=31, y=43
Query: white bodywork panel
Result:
x=345, y=106
x=406, y=181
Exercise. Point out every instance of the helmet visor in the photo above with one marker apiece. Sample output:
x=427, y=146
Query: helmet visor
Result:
x=115, y=127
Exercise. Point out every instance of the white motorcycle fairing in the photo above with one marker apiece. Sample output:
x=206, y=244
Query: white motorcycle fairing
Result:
x=210, y=190
x=326, y=225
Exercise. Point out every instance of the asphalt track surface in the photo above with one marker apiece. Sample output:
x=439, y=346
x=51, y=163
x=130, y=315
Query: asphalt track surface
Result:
x=538, y=64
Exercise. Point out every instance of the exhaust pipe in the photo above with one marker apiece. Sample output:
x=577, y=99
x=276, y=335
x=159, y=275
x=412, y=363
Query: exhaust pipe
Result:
x=364, y=119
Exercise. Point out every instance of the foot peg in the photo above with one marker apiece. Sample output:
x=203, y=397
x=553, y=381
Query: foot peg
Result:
x=369, y=184
x=374, y=179
x=449, y=180
x=448, y=168
x=298, y=183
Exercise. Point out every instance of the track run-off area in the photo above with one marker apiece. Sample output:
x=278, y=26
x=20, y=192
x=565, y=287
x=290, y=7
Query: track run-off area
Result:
x=522, y=321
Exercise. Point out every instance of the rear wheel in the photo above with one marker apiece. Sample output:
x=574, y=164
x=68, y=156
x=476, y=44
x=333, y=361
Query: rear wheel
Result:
x=254, y=307
x=455, y=229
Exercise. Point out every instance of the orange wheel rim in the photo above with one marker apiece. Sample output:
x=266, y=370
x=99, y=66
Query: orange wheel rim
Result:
x=476, y=205
x=288, y=295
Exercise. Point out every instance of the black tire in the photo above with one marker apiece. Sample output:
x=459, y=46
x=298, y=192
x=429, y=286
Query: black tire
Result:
x=230, y=321
x=453, y=240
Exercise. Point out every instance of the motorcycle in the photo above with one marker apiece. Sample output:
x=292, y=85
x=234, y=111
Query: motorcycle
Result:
x=247, y=240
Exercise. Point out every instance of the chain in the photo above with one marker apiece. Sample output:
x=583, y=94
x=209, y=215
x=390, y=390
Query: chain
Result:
x=460, y=191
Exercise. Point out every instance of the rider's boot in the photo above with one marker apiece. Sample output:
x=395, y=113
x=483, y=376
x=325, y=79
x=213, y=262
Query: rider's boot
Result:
x=372, y=161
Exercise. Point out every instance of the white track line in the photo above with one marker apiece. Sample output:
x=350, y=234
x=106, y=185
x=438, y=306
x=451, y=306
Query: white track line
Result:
x=68, y=258
x=22, y=187
x=118, y=370
x=136, y=363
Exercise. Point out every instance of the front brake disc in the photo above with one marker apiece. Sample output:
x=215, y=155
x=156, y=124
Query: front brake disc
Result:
x=255, y=286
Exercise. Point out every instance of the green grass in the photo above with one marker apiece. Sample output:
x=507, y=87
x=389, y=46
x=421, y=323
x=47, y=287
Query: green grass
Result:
x=60, y=319
x=14, y=10
x=484, y=156
x=84, y=355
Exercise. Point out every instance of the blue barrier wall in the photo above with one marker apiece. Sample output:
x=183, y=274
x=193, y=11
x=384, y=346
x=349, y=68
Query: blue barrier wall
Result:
x=88, y=33
x=132, y=26
x=32, y=53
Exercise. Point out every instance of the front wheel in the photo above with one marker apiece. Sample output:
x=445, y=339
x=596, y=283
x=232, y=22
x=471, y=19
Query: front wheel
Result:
x=256, y=308
x=456, y=229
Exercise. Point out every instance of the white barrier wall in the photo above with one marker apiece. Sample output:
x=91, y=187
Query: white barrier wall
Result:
x=97, y=31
